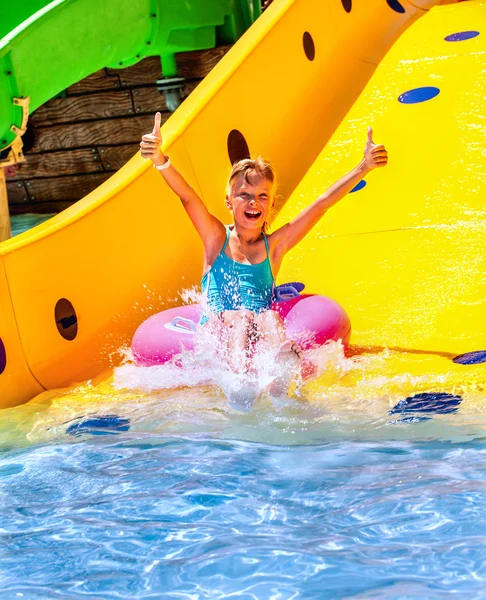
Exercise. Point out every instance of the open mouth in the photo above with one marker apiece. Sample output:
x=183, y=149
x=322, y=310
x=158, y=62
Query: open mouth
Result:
x=252, y=214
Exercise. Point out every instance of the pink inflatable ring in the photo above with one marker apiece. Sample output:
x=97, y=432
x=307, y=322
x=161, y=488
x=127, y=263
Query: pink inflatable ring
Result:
x=309, y=319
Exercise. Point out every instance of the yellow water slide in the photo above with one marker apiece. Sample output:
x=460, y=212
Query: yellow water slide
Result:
x=405, y=253
x=73, y=290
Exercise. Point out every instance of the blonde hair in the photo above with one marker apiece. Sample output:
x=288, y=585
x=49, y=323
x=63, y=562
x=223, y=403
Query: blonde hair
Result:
x=252, y=170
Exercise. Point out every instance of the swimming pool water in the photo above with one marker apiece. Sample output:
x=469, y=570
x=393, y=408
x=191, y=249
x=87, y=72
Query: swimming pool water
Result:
x=21, y=223
x=146, y=514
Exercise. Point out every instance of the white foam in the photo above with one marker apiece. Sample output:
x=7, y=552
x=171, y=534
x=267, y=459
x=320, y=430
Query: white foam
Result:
x=209, y=364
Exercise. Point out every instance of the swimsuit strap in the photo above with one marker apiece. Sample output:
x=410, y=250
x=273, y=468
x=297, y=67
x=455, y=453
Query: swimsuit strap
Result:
x=227, y=227
x=269, y=263
x=266, y=244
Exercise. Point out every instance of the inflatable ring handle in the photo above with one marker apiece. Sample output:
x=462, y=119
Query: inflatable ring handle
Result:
x=183, y=323
x=298, y=285
x=285, y=292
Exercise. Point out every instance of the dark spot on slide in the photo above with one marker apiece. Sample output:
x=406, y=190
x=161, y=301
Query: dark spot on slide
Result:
x=309, y=47
x=396, y=6
x=347, y=5
x=3, y=357
x=66, y=319
x=237, y=146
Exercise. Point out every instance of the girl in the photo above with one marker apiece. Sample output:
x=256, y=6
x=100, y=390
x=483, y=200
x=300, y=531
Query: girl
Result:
x=241, y=262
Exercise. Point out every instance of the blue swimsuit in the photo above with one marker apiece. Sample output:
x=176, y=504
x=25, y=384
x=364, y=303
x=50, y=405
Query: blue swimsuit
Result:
x=231, y=285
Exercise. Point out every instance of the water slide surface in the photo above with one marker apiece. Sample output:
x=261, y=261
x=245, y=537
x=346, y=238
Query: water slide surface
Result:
x=404, y=253
x=126, y=250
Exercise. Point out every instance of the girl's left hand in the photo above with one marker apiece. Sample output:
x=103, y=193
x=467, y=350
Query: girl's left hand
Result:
x=375, y=154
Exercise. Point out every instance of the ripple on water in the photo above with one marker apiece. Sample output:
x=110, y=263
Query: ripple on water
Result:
x=206, y=518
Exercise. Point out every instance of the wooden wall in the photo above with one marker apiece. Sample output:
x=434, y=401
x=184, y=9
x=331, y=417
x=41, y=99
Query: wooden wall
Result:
x=75, y=142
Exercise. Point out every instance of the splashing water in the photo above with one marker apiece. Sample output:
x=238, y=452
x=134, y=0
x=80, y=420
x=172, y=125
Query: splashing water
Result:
x=216, y=361
x=197, y=393
x=208, y=363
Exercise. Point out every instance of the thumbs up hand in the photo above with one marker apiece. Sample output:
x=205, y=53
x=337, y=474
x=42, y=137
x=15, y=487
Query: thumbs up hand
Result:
x=375, y=154
x=150, y=144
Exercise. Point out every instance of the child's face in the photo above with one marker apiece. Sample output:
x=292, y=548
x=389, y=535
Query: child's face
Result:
x=251, y=203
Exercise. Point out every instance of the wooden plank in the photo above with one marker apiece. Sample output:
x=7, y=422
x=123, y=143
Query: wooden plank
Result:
x=101, y=80
x=114, y=157
x=64, y=189
x=45, y=208
x=51, y=164
x=197, y=63
x=191, y=65
x=147, y=70
x=5, y=231
x=17, y=193
x=83, y=108
x=93, y=133
x=148, y=99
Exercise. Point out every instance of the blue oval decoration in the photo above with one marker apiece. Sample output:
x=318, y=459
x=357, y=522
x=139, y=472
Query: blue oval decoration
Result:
x=417, y=95
x=438, y=403
x=396, y=6
x=359, y=186
x=471, y=358
x=98, y=425
x=461, y=36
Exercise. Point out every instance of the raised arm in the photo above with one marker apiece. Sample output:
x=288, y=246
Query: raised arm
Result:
x=290, y=234
x=209, y=228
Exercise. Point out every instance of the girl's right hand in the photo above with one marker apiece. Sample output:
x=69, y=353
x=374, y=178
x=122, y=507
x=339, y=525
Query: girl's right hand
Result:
x=151, y=143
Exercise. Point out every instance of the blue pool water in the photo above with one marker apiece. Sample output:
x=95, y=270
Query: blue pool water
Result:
x=134, y=515
x=21, y=223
